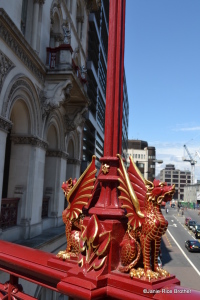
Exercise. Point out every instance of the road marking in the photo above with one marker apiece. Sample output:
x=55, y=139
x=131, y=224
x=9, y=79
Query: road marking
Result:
x=167, y=240
x=183, y=253
x=174, y=225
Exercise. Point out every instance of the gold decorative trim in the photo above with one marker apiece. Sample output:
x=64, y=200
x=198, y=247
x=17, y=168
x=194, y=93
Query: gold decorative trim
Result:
x=80, y=179
x=105, y=169
x=130, y=190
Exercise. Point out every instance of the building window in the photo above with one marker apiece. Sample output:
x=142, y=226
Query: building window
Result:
x=141, y=165
x=23, y=16
x=135, y=155
x=138, y=155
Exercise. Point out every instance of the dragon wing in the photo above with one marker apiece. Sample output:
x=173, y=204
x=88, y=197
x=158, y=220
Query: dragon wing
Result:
x=133, y=190
x=79, y=195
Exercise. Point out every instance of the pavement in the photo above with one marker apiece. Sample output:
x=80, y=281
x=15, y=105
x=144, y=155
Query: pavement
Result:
x=47, y=236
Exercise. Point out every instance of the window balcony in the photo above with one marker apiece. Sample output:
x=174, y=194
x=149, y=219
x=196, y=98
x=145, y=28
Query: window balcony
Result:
x=60, y=59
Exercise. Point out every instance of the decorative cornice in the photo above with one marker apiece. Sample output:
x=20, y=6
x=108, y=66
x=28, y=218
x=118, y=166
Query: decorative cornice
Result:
x=5, y=124
x=14, y=39
x=73, y=161
x=5, y=66
x=56, y=153
x=29, y=140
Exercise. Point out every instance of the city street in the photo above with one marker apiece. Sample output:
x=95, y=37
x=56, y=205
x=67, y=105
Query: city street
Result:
x=175, y=257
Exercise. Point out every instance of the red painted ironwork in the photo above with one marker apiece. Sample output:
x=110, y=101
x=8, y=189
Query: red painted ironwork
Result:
x=92, y=271
x=9, y=208
x=46, y=270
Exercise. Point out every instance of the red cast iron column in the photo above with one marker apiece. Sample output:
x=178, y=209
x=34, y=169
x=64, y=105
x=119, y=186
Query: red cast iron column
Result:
x=115, y=75
x=108, y=205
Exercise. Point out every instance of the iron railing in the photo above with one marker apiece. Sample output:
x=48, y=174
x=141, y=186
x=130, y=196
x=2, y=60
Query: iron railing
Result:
x=46, y=270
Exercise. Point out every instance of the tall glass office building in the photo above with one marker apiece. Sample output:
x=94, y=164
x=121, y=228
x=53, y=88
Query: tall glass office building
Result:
x=93, y=136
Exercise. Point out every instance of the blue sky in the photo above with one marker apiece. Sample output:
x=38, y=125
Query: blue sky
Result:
x=162, y=64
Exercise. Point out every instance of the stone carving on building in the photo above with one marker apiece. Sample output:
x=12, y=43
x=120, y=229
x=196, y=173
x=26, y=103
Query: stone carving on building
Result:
x=29, y=140
x=20, y=46
x=56, y=153
x=5, y=66
x=54, y=96
x=55, y=6
x=73, y=161
x=67, y=34
x=73, y=121
x=83, y=70
x=5, y=124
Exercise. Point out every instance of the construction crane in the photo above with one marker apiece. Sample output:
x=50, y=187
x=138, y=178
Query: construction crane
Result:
x=197, y=153
x=192, y=162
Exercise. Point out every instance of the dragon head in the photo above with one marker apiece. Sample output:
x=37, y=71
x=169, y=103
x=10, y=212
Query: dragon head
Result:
x=68, y=185
x=159, y=191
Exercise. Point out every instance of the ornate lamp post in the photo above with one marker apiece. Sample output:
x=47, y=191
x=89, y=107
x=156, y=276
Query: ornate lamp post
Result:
x=104, y=229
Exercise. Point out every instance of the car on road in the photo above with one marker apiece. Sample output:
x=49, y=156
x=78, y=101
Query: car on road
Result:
x=173, y=205
x=197, y=232
x=192, y=246
x=194, y=228
x=191, y=224
x=187, y=219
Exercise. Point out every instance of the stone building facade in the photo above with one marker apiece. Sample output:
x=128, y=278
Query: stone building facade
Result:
x=43, y=99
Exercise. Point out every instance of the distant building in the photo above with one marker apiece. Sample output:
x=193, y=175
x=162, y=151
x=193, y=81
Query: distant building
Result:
x=177, y=177
x=144, y=157
x=192, y=193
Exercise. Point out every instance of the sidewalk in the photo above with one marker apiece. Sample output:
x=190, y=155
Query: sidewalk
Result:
x=47, y=236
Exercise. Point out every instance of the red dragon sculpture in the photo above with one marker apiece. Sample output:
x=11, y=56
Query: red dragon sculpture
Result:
x=141, y=200
x=77, y=194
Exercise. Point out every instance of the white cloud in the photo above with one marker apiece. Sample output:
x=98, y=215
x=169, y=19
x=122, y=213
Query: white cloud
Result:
x=187, y=129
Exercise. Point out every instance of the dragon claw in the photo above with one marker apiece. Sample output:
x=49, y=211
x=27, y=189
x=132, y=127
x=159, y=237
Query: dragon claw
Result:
x=64, y=255
x=139, y=273
x=152, y=275
x=162, y=272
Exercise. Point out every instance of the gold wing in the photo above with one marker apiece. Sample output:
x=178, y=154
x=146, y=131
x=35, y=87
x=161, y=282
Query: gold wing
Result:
x=81, y=192
x=132, y=192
